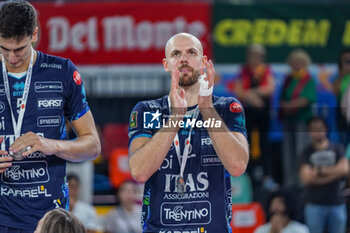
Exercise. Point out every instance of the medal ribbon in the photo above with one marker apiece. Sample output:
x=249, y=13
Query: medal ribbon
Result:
x=18, y=125
x=182, y=162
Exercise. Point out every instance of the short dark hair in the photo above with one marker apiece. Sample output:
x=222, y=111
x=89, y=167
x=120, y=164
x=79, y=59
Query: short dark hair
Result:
x=289, y=201
x=17, y=19
x=73, y=176
x=316, y=119
x=60, y=220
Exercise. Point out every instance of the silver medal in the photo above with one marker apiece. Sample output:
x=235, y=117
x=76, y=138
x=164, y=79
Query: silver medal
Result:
x=180, y=184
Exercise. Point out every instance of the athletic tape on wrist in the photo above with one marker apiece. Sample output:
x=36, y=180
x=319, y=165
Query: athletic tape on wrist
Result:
x=203, y=89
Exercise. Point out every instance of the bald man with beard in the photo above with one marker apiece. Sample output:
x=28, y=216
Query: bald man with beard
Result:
x=185, y=146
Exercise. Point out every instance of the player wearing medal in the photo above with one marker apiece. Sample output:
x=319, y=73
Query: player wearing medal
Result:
x=38, y=92
x=187, y=167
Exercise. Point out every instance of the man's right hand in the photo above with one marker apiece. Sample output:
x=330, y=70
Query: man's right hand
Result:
x=177, y=95
x=5, y=161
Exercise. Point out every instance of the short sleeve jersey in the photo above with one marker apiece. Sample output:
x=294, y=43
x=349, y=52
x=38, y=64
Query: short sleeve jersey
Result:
x=37, y=184
x=205, y=206
x=330, y=193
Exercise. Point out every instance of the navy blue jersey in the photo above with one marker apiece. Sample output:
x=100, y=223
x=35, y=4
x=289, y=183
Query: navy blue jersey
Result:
x=205, y=206
x=37, y=184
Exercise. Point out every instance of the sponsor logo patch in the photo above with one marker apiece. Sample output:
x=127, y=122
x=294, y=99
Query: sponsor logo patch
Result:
x=185, y=213
x=210, y=160
x=48, y=121
x=48, y=86
x=51, y=103
x=133, y=120
x=235, y=108
x=25, y=173
x=77, y=77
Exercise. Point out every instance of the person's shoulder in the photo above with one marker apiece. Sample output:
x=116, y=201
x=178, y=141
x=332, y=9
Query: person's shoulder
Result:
x=83, y=206
x=263, y=228
x=154, y=104
x=297, y=227
x=228, y=102
x=52, y=61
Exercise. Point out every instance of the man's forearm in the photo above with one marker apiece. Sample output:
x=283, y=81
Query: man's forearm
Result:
x=145, y=161
x=232, y=150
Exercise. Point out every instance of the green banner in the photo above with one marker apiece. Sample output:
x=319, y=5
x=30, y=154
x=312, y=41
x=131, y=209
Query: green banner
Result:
x=321, y=30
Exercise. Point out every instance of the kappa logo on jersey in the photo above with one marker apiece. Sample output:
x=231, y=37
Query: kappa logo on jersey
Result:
x=2, y=90
x=151, y=120
x=49, y=121
x=51, y=103
x=48, y=86
x=18, y=87
x=77, y=77
x=235, y=108
x=25, y=173
x=2, y=106
x=181, y=213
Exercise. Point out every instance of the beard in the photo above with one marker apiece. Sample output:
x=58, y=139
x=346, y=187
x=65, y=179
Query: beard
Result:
x=186, y=80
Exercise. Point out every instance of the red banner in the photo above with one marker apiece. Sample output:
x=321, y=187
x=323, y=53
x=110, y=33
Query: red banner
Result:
x=118, y=32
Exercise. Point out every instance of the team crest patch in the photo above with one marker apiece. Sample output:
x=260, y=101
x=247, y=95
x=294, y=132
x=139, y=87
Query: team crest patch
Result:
x=235, y=108
x=77, y=77
x=133, y=120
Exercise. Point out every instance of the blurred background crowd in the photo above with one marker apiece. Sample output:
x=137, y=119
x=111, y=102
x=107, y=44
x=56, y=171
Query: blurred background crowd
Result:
x=288, y=62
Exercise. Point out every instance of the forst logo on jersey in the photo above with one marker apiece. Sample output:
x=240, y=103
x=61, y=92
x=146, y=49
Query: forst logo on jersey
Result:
x=185, y=213
x=151, y=120
x=50, y=103
x=26, y=173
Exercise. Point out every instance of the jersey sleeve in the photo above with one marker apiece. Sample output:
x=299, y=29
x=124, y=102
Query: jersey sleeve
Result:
x=234, y=117
x=136, y=120
x=76, y=104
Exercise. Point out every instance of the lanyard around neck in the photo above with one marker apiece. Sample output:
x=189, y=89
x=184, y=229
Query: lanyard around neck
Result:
x=183, y=160
x=18, y=125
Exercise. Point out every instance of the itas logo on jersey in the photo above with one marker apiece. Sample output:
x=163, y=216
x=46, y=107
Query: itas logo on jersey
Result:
x=18, y=89
x=181, y=213
x=151, y=120
x=51, y=103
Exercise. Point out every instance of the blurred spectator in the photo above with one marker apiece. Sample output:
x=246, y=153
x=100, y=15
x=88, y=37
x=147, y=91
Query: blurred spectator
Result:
x=125, y=218
x=83, y=211
x=281, y=215
x=254, y=87
x=298, y=95
x=323, y=166
x=59, y=221
x=340, y=87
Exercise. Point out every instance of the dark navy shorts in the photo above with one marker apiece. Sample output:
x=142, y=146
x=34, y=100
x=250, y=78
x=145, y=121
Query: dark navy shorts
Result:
x=13, y=230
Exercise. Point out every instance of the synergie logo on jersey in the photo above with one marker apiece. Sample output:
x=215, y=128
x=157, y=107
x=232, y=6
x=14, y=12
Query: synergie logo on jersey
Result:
x=151, y=120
